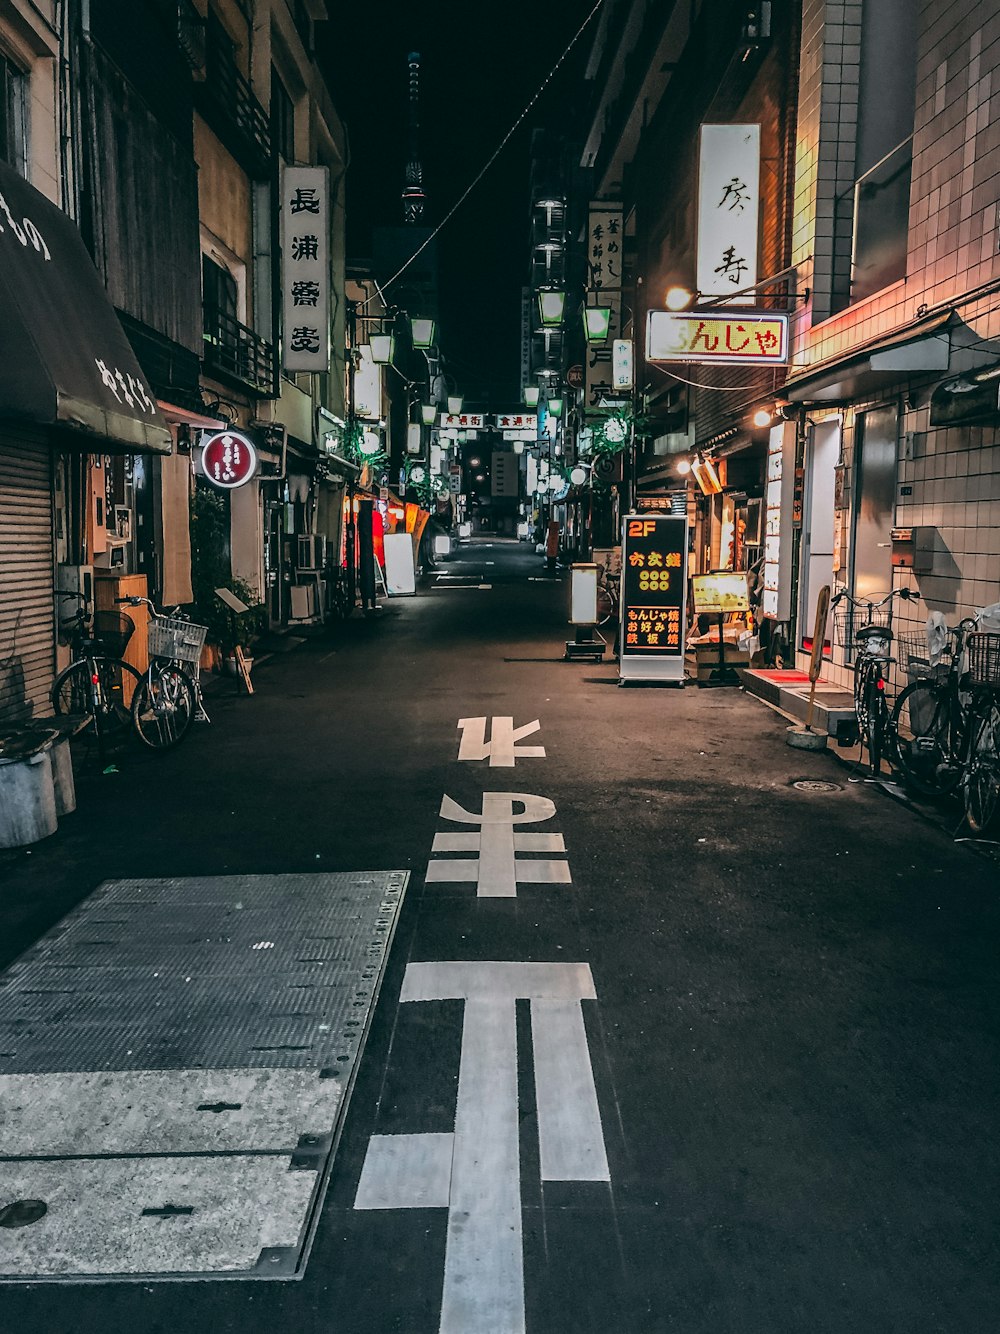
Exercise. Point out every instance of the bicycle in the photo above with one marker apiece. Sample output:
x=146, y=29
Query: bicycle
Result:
x=930, y=717
x=97, y=682
x=873, y=639
x=168, y=698
x=607, y=596
x=981, y=787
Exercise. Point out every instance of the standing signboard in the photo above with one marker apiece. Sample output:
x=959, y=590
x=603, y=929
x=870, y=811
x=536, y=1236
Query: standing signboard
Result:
x=653, y=598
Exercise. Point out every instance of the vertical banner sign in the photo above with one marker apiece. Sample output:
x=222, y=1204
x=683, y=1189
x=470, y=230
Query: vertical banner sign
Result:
x=776, y=604
x=526, y=326
x=605, y=245
x=728, y=209
x=622, y=364
x=305, y=268
x=654, y=597
x=504, y=474
x=367, y=385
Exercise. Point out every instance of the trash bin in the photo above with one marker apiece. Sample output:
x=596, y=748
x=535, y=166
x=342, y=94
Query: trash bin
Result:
x=27, y=796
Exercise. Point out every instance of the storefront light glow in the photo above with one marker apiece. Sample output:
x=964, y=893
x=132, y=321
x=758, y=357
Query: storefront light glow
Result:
x=762, y=417
x=683, y=466
x=677, y=298
x=475, y=461
x=578, y=476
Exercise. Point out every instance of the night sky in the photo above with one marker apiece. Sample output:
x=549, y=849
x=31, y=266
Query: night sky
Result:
x=480, y=66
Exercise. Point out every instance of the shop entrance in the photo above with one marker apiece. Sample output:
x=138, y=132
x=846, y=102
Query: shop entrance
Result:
x=874, y=500
x=823, y=446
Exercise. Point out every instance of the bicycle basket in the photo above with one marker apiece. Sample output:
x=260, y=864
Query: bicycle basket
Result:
x=913, y=658
x=847, y=621
x=170, y=637
x=112, y=630
x=984, y=659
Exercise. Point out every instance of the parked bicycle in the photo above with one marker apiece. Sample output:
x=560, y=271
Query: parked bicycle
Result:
x=866, y=626
x=97, y=683
x=607, y=596
x=947, y=723
x=168, y=697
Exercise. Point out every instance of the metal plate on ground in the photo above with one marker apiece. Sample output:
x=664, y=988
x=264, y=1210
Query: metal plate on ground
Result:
x=815, y=785
x=176, y=1059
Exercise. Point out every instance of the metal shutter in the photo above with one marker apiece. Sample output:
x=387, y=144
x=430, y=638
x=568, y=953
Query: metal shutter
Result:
x=27, y=642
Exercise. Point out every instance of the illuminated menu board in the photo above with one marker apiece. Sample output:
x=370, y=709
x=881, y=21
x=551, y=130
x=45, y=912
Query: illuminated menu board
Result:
x=654, y=590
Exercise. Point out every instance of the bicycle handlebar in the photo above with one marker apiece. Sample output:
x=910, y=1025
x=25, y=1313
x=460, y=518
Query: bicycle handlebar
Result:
x=903, y=593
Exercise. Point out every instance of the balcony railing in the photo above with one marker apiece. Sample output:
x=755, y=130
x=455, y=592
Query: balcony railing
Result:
x=234, y=352
x=227, y=102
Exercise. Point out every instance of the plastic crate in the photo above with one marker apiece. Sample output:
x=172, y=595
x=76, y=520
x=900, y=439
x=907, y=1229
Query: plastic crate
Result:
x=170, y=637
x=112, y=630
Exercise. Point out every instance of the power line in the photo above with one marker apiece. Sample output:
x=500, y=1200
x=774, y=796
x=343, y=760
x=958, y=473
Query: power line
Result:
x=499, y=149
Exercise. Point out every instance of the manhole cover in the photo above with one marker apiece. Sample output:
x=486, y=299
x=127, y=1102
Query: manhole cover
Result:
x=22, y=1213
x=815, y=785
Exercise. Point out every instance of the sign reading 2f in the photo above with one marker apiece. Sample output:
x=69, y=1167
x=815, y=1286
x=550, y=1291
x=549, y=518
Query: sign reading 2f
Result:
x=654, y=597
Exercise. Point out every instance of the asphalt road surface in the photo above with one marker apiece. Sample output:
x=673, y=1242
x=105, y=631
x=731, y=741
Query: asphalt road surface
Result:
x=663, y=1043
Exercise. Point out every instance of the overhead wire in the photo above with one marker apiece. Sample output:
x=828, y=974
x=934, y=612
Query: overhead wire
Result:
x=496, y=153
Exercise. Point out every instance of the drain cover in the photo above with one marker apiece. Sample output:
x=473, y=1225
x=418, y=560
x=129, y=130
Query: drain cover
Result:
x=815, y=785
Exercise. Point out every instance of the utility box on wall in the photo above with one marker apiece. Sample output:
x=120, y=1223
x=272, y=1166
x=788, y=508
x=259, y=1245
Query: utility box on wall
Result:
x=913, y=548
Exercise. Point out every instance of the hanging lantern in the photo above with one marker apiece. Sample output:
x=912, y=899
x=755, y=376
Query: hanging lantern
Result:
x=455, y=402
x=555, y=407
x=596, y=324
x=551, y=304
x=428, y=413
x=422, y=333
x=383, y=346
x=531, y=392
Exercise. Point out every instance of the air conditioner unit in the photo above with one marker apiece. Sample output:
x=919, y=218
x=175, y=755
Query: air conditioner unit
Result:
x=311, y=551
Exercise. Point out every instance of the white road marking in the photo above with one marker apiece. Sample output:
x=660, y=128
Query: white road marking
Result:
x=502, y=748
x=406, y=1172
x=483, y=1291
x=497, y=871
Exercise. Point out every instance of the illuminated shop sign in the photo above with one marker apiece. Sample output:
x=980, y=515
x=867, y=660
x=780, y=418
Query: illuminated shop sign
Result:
x=747, y=339
x=228, y=459
x=654, y=588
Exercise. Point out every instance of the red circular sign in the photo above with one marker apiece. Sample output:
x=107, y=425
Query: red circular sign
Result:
x=228, y=459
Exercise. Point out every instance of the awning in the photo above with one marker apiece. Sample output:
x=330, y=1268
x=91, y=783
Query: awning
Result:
x=66, y=360
x=921, y=347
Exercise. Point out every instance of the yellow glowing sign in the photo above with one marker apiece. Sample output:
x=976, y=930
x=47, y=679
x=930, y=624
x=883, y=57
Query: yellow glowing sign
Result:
x=747, y=339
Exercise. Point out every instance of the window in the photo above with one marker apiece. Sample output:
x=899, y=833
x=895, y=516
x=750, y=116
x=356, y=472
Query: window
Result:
x=219, y=298
x=13, y=124
x=282, y=120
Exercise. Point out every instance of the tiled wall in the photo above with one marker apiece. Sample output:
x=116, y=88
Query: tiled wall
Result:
x=953, y=260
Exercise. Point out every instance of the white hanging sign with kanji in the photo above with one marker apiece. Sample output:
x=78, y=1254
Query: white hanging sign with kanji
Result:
x=728, y=209
x=305, y=268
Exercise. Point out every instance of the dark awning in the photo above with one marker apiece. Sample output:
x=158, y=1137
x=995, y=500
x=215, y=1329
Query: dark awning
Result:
x=66, y=360
x=919, y=347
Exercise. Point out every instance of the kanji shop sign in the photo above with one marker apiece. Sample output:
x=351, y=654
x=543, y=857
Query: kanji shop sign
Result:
x=526, y=422
x=305, y=268
x=750, y=339
x=463, y=421
x=228, y=459
x=654, y=592
x=728, y=208
x=605, y=245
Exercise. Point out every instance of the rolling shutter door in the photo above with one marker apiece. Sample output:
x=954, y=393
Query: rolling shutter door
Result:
x=26, y=571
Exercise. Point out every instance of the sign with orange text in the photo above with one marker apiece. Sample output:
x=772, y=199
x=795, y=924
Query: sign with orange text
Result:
x=654, y=597
x=723, y=338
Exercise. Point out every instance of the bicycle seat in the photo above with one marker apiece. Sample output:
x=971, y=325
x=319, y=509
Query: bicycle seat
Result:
x=867, y=632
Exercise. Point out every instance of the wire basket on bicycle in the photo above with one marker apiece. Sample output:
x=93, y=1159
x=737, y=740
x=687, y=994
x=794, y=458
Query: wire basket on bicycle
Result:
x=914, y=657
x=983, y=651
x=177, y=639
x=848, y=621
x=112, y=630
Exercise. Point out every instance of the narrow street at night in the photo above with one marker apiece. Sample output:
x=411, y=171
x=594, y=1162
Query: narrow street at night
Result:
x=729, y=1064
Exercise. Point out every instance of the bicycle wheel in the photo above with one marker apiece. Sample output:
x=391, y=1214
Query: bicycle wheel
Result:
x=982, y=780
x=925, y=727
x=163, y=707
x=107, y=700
x=876, y=721
x=607, y=605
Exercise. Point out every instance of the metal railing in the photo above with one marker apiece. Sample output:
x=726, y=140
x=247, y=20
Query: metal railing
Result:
x=236, y=352
x=227, y=101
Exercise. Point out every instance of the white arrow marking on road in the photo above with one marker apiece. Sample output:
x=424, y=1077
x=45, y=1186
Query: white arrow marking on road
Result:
x=502, y=748
x=480, y=1178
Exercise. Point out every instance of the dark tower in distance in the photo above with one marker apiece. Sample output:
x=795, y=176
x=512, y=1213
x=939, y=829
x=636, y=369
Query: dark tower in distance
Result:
x=413, y=192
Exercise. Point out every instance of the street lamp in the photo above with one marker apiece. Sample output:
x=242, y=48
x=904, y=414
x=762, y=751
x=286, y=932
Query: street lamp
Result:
x=383, y=346
x=555, y=407
x=428, y=413
x=422, y=332
x=531, y=392
x=455, y=402
x=551, y=303
x=596, y=324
